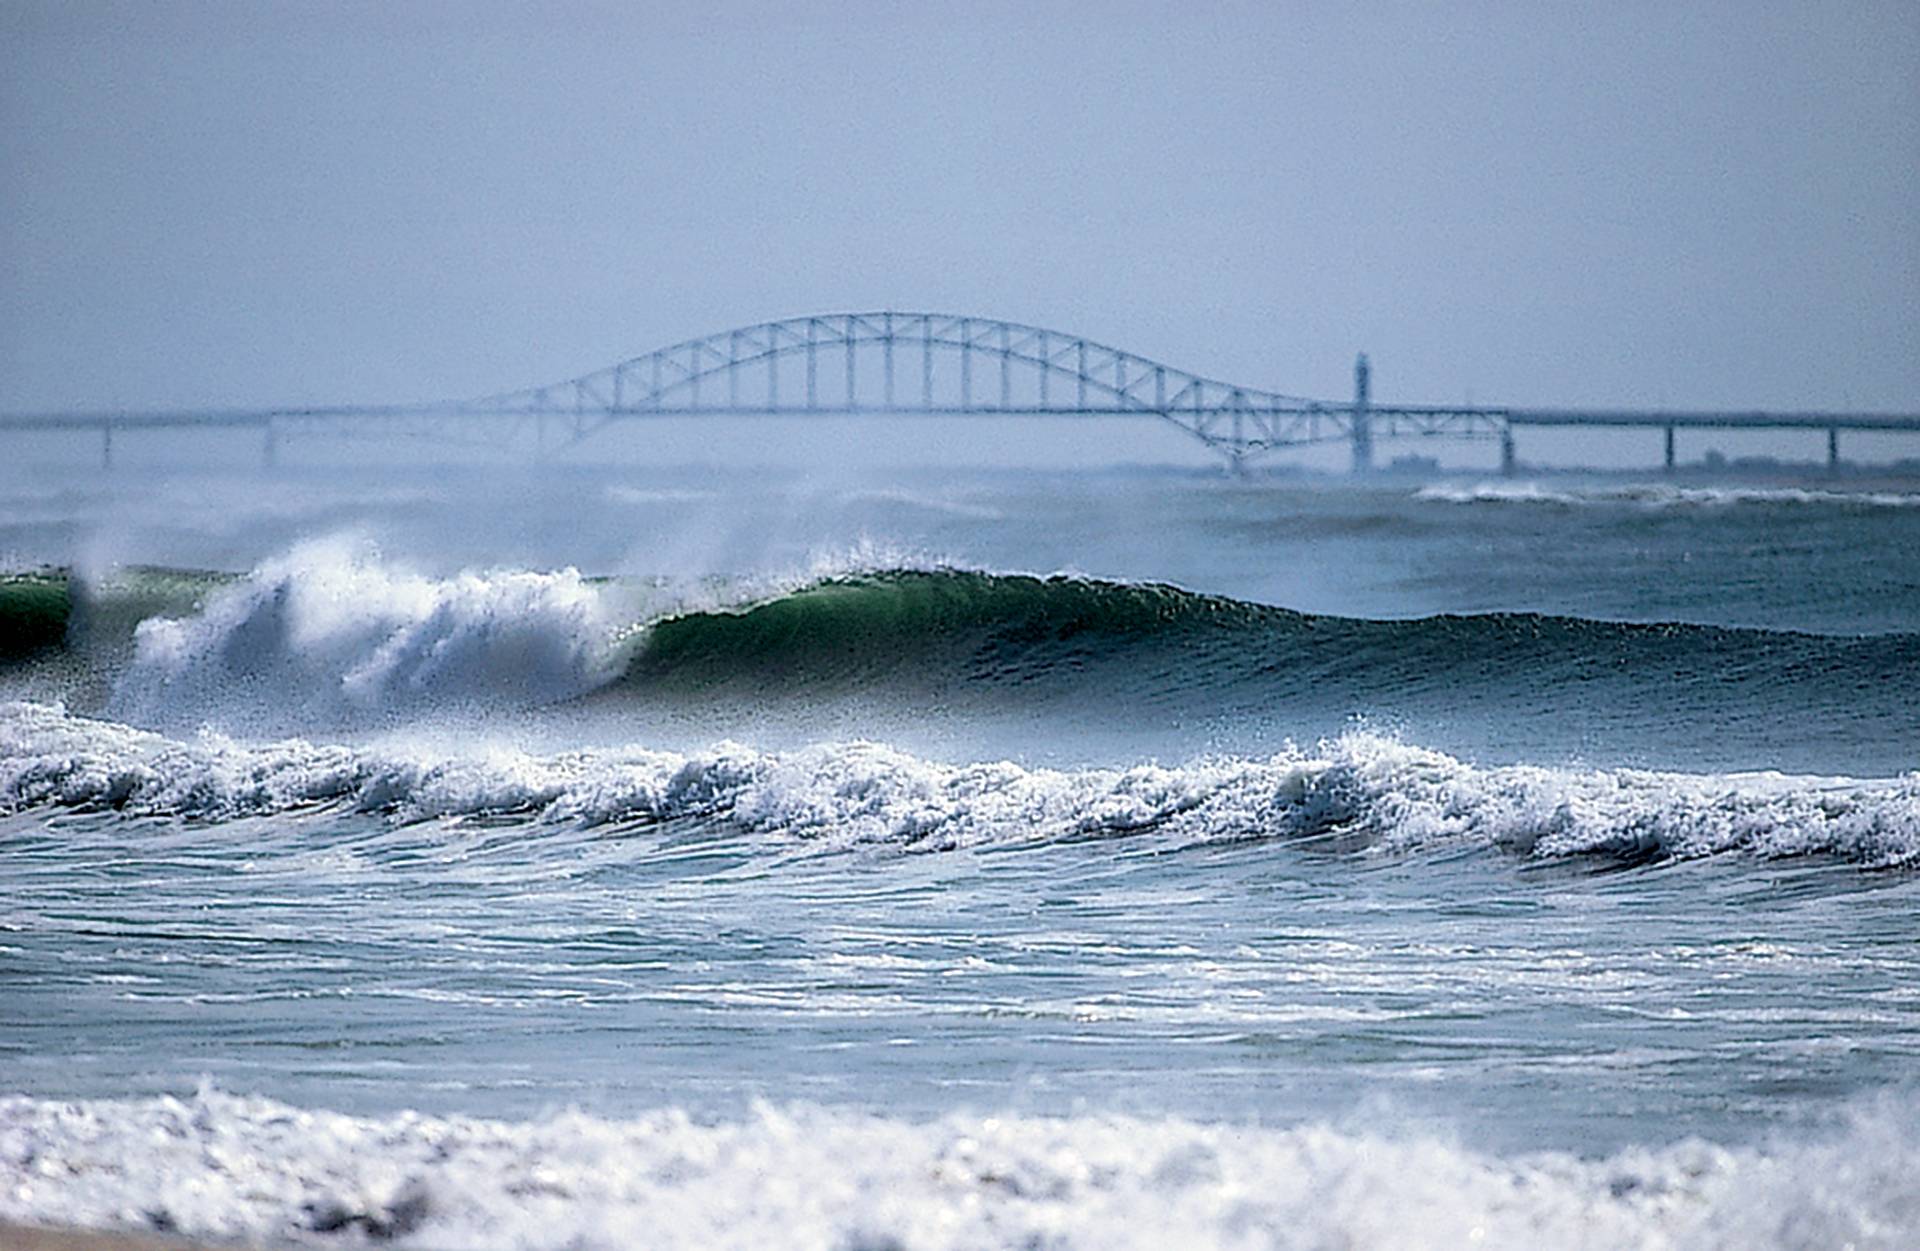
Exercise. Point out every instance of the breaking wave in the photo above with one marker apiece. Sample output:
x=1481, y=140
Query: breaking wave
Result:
x=1663, y=496
x=332, y=634
x=332, y=638
x=248, y=1169
x=1361, y=794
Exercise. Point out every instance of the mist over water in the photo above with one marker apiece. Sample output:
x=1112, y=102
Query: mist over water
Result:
x=1054, y=852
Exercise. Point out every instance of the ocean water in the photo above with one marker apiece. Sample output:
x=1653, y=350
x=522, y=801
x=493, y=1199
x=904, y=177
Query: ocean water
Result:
x=615, y=857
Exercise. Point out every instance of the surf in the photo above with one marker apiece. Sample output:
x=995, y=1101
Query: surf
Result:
x=221, y=1166
x=1361, y=794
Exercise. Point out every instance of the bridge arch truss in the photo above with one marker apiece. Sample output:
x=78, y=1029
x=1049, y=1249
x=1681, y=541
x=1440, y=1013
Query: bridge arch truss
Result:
x=932, y=364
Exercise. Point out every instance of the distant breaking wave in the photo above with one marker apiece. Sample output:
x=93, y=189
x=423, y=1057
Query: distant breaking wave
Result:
x=1359, y=794
x=252, y=1170
x=1661, y=496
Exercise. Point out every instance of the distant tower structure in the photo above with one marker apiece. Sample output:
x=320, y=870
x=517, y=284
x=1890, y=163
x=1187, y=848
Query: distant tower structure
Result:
x=1362, y=417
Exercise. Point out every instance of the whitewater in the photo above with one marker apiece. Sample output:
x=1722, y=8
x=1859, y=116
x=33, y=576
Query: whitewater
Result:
x=614, y=856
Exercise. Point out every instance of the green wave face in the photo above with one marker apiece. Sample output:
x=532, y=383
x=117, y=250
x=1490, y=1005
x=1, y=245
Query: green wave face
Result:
x=895, y=621
x=904, y=621
x=1107, y=654
x=34, y=612
x=56, y=610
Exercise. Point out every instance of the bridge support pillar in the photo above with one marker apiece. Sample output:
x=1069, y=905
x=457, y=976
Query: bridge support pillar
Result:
x=1669, y=449
x=270, y=445
x=1507, y=461
x=106, y=445
x=1362, y=417
x=1833, y=449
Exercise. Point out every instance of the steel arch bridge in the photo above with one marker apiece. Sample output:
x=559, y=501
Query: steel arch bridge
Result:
x=942, y=364
x=945, y=364
x=932, y=364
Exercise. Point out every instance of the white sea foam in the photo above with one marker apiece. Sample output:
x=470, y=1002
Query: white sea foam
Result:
x=1661, y=496
x=1362, y=792
x=330, y=634
x=221, y=1166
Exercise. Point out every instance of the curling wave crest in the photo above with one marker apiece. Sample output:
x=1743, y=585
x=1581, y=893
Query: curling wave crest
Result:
x=221, y=1166
x=332, y=634
x=1360, y=793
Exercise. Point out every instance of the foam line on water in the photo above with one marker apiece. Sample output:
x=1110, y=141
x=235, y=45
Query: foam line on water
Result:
x=1663, y=496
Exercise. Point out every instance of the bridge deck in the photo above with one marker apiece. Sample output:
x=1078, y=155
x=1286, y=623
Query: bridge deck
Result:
x=946, y=365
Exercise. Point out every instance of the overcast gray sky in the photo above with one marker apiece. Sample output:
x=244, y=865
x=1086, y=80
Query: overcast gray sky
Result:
x=1708, y=204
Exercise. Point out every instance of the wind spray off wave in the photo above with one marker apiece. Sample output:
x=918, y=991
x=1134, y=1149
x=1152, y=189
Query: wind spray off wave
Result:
x=339, y=635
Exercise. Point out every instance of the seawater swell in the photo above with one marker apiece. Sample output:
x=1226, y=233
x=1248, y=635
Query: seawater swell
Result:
x=982, y=626
x=1018, y=628
x=867, y=624
x=331, y=637
x=1361, y=794
x=1095, y=652
x=996, y=627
